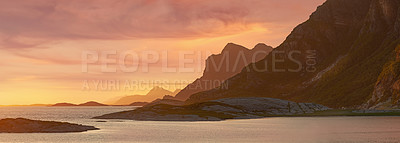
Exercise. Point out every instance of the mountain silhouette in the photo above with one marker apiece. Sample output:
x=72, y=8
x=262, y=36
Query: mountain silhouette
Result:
x=153, y=94
x=90, y=103
x=345, y=57
x=222, y=66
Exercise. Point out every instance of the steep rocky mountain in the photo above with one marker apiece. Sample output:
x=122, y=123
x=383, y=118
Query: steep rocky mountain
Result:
x=342, y=56
x=223, y=66
x=153, y=94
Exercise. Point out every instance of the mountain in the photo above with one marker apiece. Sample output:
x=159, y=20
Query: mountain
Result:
x=343, y=56
x=346, y=55
x=153, y=94
x=222, y=66
x=91, y=103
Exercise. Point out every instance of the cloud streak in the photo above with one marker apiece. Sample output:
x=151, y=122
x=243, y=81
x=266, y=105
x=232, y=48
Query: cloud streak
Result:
x=124, y=19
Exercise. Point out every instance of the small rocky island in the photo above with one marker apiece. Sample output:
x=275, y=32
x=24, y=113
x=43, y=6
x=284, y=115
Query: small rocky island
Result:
x=90, y=103
x=217, y=110
x=22, y=125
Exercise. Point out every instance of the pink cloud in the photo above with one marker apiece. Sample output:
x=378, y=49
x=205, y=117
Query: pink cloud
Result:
x=33, y=24
x=124, y=19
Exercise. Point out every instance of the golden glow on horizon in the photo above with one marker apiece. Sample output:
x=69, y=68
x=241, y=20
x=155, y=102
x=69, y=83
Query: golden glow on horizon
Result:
x=43, y=64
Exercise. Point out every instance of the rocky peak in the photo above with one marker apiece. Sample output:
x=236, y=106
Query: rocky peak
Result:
x=220, y=67
x=231, y=60
x=233, y=48
x=158, y=90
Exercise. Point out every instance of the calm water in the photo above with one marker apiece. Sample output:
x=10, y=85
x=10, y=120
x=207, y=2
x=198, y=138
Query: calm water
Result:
x=299, y=129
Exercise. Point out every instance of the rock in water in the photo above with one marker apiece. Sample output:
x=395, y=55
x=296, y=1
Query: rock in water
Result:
x=222, y=109
x=21, y=125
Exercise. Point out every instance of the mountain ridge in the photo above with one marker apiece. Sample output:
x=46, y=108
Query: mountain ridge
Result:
x=346, y=36
x=155, y=93
x=222, y=66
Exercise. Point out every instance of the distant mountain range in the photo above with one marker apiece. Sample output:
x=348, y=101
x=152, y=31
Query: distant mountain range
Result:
x=153, y=94
x=133, y=100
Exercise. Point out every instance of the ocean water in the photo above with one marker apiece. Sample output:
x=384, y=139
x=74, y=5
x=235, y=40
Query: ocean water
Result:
x=277, y=129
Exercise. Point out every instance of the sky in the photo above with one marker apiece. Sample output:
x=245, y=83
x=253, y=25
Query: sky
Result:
x=97, y=50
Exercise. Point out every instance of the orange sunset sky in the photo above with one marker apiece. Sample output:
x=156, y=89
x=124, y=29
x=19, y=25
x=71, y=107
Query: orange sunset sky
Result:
x=41, y=41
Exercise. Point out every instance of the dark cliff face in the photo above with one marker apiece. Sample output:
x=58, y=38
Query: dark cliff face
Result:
x=223, y=66
x=349, y=40
x=386, y=92
x=385, y=15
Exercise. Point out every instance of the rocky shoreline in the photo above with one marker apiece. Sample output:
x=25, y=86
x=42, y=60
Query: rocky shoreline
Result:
x=22, y=125
x=217, y=110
